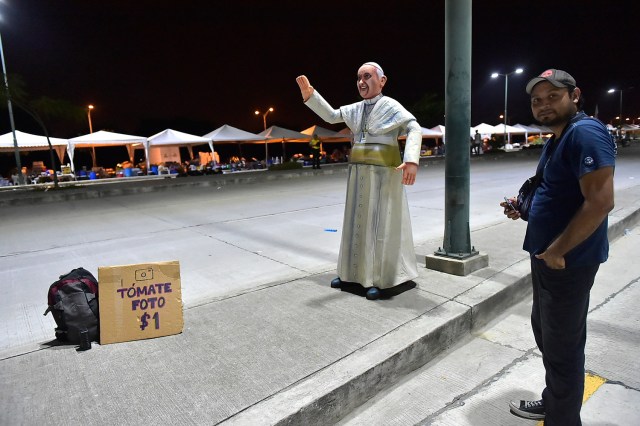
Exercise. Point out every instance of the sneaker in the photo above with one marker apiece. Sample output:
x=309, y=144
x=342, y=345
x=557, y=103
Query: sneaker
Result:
x=532, y=410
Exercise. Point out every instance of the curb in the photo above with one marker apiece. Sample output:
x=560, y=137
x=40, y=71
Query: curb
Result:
x=332, y=392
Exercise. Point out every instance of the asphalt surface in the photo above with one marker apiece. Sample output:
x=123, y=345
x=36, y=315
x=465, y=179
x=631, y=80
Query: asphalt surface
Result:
x=292, y=351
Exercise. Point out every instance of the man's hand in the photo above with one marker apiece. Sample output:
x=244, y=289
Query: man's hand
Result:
x=508, y=211
x=305, y=87
x=552, y=260
x=409, y=172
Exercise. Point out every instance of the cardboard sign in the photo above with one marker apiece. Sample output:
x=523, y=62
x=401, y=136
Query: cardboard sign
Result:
x=139, y=301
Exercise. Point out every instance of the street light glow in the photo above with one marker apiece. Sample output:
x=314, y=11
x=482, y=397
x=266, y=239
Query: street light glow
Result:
x=495, y=75
x=611, y=90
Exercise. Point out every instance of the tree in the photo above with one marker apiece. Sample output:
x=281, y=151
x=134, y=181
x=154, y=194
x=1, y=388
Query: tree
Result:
x=428, y=110
x=49, y=109
x=44, y=106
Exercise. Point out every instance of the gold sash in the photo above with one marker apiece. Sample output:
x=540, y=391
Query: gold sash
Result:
x=376, y=154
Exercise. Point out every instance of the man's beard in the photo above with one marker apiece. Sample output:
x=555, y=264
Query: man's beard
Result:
x=552, y=121
x=555, y=120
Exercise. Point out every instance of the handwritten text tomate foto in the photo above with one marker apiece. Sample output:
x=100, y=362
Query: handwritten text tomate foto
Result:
x=140, y=295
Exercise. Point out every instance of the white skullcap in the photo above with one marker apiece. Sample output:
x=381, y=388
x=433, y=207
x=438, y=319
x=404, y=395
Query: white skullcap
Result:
x=375, y=65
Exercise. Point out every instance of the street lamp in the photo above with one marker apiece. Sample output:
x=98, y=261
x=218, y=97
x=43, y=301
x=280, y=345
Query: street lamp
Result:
x=13, y=125
x=619, y=90
x=264, y=116
x=89, y=108
x=506, y=88
x=264, y=122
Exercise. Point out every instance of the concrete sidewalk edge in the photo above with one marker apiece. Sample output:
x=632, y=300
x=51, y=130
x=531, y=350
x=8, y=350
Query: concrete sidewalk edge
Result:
x=332, y=392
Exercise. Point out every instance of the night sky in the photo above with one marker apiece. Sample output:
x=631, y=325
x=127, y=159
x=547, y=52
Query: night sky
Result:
x=148, y=65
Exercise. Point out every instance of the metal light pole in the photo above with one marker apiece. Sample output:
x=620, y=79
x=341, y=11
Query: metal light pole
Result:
x=93, y=148
x=89, y=108
x=264, y=122
x=620, y=111
x=506, y=88
x=13, y=125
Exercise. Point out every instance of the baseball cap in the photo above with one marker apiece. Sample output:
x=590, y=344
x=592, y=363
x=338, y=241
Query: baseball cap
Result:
x=558, y=78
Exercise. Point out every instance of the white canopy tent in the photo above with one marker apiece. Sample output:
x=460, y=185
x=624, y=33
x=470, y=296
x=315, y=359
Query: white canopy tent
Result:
x=347, y=133
x=174, y=137
x=543, y=129
x=505, y=128
x=501, y=129
x=280, y=134
x=103, y=138
x=483, y=129
x=440, y=129
x=29, y=142
x=529, y=129
x=326, y=135
x=170, y=137
x=426, y=134
x=230, y=134
x=429, y=133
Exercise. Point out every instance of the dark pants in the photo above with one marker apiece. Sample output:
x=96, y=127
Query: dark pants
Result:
x=559, y=323
x=316, y=158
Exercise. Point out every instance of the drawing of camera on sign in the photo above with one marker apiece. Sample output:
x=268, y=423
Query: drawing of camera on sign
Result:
x=144, y=274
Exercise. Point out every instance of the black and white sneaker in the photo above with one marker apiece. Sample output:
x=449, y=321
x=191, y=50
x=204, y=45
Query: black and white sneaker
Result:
x=532, y=410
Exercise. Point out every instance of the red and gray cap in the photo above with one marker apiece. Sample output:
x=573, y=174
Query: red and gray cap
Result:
x=558, y=78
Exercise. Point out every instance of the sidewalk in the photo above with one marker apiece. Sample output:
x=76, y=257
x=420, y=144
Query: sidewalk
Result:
x=293, y=353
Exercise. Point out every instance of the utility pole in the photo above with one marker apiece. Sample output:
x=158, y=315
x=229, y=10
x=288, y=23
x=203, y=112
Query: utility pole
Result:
x=13, y=125
x=457, y=256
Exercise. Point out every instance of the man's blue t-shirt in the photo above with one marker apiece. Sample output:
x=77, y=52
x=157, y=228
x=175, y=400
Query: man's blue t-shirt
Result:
x=584, y=146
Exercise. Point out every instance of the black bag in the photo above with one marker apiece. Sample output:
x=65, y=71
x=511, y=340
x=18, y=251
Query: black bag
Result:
x=528, y=188
x=525, y=195
x=73, y=301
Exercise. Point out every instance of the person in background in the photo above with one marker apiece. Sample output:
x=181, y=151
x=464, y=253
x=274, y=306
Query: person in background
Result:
x=377, y=244
x=477, y=143
x=567, y=239
x=315, y=150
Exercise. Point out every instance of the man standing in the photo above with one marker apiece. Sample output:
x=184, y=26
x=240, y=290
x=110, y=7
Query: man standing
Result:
x=567, y=239
x=315, y=150
x=477, y=141
x=377, y=242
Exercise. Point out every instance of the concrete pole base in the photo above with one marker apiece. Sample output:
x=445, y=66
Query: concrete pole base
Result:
x=459, y=267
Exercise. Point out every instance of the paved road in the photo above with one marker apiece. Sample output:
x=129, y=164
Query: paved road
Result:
x=228, y=239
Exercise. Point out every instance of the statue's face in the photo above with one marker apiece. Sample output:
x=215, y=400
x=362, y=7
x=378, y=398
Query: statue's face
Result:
x=369, y=84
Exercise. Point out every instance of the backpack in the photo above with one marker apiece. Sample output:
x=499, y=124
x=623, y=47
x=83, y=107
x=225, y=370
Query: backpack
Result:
x=73, y=301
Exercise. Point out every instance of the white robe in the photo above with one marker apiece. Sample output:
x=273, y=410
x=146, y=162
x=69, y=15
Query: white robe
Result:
x=377, y=243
